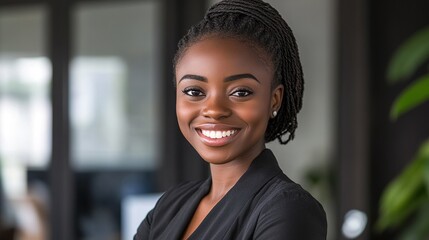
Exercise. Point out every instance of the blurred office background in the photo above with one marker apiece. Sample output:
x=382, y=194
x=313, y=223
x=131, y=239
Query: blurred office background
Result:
x=87, y=114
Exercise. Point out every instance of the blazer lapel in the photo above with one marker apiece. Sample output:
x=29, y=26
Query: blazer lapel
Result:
x=223, y=215
x=179, y=223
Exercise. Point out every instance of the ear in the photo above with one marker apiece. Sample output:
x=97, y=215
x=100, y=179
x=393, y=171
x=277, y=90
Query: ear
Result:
x=277, y=97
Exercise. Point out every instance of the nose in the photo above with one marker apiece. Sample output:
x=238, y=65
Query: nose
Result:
x=216, y=107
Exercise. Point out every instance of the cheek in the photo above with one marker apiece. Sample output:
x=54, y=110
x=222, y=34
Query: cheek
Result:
x=185, y=113
x=255, y=114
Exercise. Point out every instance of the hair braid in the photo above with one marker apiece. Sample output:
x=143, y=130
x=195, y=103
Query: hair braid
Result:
x=258, y=22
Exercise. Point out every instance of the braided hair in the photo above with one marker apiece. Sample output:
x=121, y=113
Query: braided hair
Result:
x=262, y=25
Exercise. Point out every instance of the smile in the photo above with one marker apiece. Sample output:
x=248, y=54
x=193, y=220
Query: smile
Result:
x=221, y=136
x=218, y=134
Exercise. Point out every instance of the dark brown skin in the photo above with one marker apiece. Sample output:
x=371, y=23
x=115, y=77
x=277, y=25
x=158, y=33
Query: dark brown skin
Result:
x=224, y=84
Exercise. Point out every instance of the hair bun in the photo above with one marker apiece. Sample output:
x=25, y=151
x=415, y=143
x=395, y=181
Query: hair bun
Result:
x=257, y=9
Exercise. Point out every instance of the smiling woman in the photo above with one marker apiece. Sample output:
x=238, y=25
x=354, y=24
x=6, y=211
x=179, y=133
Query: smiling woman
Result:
x=239, y=85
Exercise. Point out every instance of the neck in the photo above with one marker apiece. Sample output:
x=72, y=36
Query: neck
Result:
x=225, y=176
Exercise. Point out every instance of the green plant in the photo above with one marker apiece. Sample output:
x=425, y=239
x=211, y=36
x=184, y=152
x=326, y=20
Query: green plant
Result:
x=407, y=196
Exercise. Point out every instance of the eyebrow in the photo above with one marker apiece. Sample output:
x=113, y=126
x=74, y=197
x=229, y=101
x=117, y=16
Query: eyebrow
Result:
x=227, y=79
x=240, y=76
x=194, y=77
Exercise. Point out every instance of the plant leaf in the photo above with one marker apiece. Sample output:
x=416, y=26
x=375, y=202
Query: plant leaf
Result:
x=392, y=217
x=412, y=96
x=402, y=196
x=419, y=229
x=424, y=153
x=412, y=53
x=407, y=192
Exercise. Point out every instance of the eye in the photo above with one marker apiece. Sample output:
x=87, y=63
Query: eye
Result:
x=241, y=92
x=193, y=92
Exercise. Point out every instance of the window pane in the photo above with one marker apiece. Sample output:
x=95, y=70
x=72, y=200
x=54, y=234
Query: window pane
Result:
x=114, y=106
x=25, y=120
x=115, y=110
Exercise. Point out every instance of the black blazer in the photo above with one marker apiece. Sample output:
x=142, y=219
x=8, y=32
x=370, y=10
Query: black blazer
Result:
x=263, y=204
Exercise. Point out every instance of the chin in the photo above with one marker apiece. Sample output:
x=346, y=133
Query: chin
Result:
x=215, y=156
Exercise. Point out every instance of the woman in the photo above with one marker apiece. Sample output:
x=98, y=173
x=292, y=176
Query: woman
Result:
x=239, y=85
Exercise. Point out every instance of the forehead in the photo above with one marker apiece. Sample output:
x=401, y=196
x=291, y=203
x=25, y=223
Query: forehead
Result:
x=224, y=54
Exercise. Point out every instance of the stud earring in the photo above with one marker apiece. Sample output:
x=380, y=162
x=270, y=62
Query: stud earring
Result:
x=274, y=114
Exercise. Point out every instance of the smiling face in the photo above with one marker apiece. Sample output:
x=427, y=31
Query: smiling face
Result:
x=225, y=98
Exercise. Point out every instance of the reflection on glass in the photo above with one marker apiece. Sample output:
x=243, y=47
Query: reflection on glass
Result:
x=98, y=109
x=24, y=110
x=25, y=120
x=114, y=108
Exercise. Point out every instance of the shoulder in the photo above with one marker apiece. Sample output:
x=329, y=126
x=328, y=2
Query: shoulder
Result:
x=287, y=210
x=165, y=209
x=179, y=193
x=282, y=189
x=183, y=188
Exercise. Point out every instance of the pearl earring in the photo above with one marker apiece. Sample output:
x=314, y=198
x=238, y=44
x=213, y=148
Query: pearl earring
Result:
x=274, y=114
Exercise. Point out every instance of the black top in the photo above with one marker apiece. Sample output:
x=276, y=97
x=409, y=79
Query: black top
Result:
x=263, y=204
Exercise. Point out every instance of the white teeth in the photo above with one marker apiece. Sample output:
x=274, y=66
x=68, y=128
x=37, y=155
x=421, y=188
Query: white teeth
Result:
x=218, y=134
x=212, y=134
